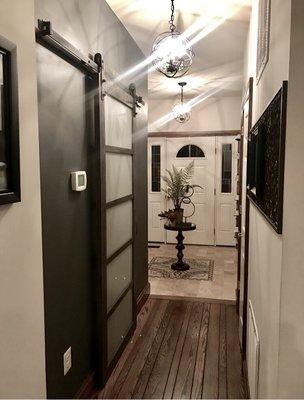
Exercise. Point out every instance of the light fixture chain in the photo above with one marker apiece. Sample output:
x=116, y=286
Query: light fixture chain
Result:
x=172, y=26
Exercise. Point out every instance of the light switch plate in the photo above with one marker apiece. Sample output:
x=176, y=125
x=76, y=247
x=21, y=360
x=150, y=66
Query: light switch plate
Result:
x=67, y=361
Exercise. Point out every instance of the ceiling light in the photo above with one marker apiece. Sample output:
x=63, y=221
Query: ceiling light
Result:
x=172, y=54
x=182, y=111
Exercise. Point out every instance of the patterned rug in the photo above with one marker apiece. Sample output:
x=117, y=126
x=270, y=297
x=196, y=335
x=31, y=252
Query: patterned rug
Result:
x=201, y=269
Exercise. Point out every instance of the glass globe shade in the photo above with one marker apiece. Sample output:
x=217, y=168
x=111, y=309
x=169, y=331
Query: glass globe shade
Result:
x=172, y=54
x=181, y=112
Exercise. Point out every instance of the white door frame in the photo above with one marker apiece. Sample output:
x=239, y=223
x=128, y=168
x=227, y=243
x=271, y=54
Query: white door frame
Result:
x=156, y=231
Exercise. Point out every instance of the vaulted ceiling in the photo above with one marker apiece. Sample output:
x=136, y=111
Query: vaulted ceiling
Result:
x=219, y=31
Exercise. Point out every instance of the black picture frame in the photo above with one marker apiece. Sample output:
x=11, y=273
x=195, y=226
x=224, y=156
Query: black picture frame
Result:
x=264, y=10
x=266, y=158
x=10, y=112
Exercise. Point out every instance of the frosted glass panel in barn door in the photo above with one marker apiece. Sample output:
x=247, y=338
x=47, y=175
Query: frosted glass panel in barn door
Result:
x=180, y=152
x=119, y=218
x=226, y=185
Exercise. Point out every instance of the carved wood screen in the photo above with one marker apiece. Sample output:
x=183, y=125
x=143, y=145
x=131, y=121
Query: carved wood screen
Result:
x=266, y=154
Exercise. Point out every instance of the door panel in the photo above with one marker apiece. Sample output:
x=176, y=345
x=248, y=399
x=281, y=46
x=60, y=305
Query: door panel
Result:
x=204, y=172
x=119, y=226
x=119, y=323
x=226, y=188
x=226, y=218
x=66, y=221
x=119, y=276
x=120, y=308
x=156, y=208
x=119, y=175
x=118, y=124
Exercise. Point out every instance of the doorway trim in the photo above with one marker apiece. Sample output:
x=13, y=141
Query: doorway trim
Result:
x=156, y=138
x=194, y=133
x=248, y=97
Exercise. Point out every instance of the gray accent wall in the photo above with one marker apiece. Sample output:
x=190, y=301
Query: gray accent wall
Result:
x=91, y=26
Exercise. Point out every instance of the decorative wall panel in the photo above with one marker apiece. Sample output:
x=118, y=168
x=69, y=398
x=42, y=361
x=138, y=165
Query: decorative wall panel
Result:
x=266, y=154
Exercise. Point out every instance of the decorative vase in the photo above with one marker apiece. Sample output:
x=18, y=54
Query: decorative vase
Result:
x=179, y=215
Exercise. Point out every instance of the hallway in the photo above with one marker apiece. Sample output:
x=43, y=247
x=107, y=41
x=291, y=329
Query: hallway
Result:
x=151, y=199
x=181, y=349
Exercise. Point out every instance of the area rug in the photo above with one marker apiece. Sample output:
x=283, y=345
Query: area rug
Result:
x=201, y=269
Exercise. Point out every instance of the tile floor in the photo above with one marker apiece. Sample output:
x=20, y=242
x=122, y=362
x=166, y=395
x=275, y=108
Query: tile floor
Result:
x=224, y=282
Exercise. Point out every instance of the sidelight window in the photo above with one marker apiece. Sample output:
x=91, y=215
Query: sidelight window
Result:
x=226, y=168
x=155, y=168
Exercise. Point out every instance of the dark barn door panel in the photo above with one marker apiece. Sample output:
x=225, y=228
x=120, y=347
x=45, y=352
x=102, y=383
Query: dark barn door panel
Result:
x=86, y=123
x=64, y=134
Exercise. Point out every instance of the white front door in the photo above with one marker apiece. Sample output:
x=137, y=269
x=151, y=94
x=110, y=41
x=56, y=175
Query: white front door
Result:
x=180, y=152
x=156, y=199
x=225, y=190
x=215, y=169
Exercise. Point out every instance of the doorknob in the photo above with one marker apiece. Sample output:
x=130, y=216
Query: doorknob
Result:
x=238, y=235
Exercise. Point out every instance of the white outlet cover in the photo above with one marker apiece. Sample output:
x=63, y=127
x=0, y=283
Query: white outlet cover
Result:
x=67, y=361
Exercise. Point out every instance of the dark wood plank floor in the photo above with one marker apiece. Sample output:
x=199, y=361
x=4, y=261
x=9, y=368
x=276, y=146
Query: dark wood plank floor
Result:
x=181, y=350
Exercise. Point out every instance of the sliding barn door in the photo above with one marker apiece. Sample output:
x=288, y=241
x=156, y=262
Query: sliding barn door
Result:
x=66, y=136
x=118, y=292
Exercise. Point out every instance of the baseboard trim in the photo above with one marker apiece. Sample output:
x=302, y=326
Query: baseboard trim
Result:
x=198, y=299
x=143, y=297
x=88, y=389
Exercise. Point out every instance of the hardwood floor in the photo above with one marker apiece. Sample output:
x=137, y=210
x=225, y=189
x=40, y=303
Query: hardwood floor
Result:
x=181, y=350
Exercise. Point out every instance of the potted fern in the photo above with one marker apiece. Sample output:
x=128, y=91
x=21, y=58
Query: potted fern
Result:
x=177, y=186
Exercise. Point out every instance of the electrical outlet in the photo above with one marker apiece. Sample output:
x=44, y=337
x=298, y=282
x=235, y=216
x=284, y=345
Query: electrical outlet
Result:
x=67, y=361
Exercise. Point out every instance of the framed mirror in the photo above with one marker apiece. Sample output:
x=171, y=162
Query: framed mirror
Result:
x=9, y=130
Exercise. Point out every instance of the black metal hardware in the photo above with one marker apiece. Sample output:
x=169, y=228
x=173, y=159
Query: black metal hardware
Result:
x=138, y=101
x=171, y=22
x=46, y=36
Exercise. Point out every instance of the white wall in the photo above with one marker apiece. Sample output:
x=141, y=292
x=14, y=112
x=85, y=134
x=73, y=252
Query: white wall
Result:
x=291, y=355
x=213, y=114
x=265, y=246
x=22, y=359
x=277, y=68
x=264, y=278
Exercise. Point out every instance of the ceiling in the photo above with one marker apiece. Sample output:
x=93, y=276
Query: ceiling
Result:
x=218, y=29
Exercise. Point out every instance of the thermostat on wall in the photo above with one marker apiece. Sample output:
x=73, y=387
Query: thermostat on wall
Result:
x=79, y=181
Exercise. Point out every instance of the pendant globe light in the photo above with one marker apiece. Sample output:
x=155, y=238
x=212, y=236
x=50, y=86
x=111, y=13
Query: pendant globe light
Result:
x=172, y=54
x=182, y=111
